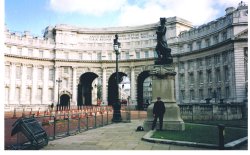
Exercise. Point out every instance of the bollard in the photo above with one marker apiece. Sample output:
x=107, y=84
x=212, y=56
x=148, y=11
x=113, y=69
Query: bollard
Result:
x=95, y=119
x=221, y=128
x=79, y=123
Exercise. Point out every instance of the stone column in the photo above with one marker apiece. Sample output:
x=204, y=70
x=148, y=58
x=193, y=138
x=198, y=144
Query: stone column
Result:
x=12, y=83
x=34, y=85
x=104, y=86
x=45, y=85
x=23, y=84
x=132, y=85
x=163, y=84
x=74, y=92
x=56, y=83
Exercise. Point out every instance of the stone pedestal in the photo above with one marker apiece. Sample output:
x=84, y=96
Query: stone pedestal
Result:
x=163, y=85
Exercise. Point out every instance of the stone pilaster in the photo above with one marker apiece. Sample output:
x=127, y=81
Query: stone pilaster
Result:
x=45, y=85
x=56, y=84
x=104, y=86
x=74, y=92
x=34, y=85
x=23, y=84
x=132, y=85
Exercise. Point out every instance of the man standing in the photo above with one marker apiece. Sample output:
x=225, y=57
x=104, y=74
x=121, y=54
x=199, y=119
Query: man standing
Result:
x=158, y=112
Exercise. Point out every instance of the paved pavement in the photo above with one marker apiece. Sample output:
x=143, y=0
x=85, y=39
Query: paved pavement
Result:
x=118, y=136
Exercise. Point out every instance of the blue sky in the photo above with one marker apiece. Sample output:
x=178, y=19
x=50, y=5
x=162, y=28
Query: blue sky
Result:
x=36, y=15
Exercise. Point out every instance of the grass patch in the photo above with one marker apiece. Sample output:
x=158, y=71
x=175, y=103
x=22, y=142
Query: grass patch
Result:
x=229, y=123
x=201, y=134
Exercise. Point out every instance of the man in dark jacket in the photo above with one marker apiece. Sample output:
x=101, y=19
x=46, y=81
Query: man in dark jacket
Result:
x=158, y=112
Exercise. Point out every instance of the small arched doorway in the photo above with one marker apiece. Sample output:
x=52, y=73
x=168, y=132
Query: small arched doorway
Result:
x=140, y=81
x=64, y=101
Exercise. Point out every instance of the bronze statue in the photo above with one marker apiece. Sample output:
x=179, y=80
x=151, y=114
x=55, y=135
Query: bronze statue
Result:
x=163, y=52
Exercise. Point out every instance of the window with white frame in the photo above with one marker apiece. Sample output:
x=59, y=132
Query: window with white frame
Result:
x=209, y=76
x=216, y=39
x=209, y=92
x=201, y=95
x=217, y=59
x=207, y=42
x=200, y=77
x=29, y=73
x=198, y=44
x=226, y=73
x=192, y=94
x=227, y=92
x=110, y=56
x=217, y=75
x=127, y=55
x=51, y=74
x=40, y=54
x=30, y=52
x=137, y=55
x=18, y=72
x=99, y=56
x=39, y=94
x=146, y=54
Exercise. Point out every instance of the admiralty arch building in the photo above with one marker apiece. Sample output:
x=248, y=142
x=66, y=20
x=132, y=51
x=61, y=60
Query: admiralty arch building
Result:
x=77, y=65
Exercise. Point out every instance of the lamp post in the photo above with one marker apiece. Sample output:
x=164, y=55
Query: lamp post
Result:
x=58, y=102
x=117, y=104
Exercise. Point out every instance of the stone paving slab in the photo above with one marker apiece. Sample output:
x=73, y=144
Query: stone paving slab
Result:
x=117, y=136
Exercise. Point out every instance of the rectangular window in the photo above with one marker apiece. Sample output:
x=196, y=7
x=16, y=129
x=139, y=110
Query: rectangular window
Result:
x=17, y=94
x=200, y=77
x=198, y=44
x=99, y=56
x=30, y=52
x=80, y=56
x=127, y=55
x=146, y=54
x=28, y=94
x=207, y=42
x=218, y=93
x=110, y=56
x=40, y=53
x=182, y=80
x=66, y=70
x=201, y=95
x=18, y=72
x=227, y=92
x=217, y=59
x=181, y=65
x=137, y=55
x=225, y=57
x=216, y=39
x=40, y=74
x=183, y=94
x=66, y=55
x=7, y=71
x=52, y=54
x=51, y=74
x=190, y=47
x=39, y=94
x=200, y=63
x=191, y=95
x=208, y=61
x=209, y=93
x=217, y=74
x=226, y=73
x=190, y=64
x=224, y=36
x=19, y=51
x=191, y=78
x=29, y=73
x=209, y=76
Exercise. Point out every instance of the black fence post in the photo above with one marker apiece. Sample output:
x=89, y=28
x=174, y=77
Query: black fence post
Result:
x=221, y=128
x=95, y=119
x=79, y=123
x=102, y=119
x=68, y=124
x=54, y=136
x=87, y=117
x=107, y=116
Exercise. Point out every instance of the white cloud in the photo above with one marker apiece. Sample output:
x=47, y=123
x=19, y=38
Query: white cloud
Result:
x=196, y=11
x=90, y=7
x=139, y=12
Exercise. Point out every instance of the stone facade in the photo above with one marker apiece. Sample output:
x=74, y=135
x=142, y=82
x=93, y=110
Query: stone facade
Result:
x=209, y=58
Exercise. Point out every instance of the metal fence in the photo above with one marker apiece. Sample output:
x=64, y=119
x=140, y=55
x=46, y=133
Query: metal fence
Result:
x=59, y=124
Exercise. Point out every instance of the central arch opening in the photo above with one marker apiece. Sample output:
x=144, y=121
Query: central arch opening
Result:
x=85, y=88
x=113, y=88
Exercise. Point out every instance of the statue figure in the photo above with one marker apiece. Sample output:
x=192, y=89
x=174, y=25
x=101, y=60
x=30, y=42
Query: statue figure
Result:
x=163, y=52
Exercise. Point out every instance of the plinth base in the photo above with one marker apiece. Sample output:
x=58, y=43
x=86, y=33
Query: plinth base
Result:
x=167, y=125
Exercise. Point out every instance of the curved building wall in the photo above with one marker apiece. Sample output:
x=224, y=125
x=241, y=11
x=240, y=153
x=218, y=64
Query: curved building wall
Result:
x=208, y=60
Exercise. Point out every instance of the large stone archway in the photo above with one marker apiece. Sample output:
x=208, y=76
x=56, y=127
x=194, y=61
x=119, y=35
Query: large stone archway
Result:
x=113, y=88
x=140, y=80
x=84, y=92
